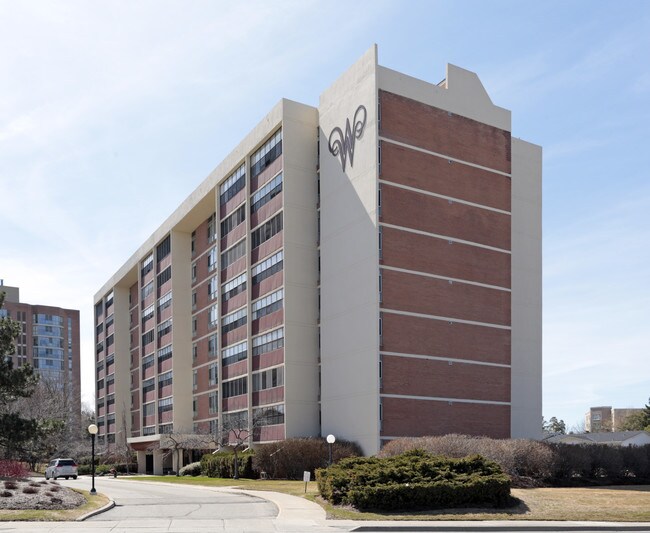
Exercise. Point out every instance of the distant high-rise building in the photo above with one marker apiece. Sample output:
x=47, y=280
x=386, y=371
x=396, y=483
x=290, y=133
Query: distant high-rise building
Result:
x=607, y=418
x=49, y=341
x=370, y=268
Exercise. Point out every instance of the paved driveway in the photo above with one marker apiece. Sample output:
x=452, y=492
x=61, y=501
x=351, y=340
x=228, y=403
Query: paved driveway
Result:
x=136, y=500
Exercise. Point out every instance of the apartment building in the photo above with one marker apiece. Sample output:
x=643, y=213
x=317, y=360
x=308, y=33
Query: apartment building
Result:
x=369, y=268
x=49, y=341
x=607, y=418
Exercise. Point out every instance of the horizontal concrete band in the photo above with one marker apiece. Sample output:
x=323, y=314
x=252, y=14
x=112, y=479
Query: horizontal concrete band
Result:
x=444, y=237
x=443, y=358
x=443, y=197
x=443, y=156
x=445, y=400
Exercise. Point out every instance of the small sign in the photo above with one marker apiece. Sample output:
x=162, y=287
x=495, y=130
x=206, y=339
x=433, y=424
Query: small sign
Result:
x=306, y=476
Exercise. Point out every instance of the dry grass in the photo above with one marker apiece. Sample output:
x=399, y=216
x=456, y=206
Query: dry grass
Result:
x=611, y=504
x=615, y=504
x=27, y=515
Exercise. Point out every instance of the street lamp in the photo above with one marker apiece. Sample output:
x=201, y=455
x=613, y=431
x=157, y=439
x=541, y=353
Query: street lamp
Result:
x=331, y=439
x=92, y=429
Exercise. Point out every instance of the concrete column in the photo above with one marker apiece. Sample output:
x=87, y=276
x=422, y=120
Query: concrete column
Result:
x=142, y=461
x=157, y=463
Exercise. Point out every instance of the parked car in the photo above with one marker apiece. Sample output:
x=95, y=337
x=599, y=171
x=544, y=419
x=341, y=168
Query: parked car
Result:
x=57, y=468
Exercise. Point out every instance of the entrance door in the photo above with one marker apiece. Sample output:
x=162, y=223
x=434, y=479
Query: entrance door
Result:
x=148, y=468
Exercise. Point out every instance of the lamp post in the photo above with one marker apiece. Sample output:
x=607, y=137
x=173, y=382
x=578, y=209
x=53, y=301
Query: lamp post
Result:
x=331, y=439
x=92, y=429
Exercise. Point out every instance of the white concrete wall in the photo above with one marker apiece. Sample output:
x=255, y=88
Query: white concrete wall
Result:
x=526, y=384
x=299, y=129
x=182, y=331
x=350, y=263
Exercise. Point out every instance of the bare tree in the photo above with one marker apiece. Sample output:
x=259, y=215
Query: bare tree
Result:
x=58, y=416
x=176, y=443
x=238, y=432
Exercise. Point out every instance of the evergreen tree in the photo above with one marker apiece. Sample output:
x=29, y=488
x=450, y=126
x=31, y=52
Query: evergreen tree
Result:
x=14, y=383
x=638, y=421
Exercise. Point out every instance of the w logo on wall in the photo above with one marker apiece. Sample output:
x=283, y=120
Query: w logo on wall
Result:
x=343, y=143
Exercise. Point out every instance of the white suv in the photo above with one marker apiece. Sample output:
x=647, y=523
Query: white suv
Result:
x=66, y=468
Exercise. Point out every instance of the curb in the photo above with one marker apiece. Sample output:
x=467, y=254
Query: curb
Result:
x=502, y=527
x=109, y=505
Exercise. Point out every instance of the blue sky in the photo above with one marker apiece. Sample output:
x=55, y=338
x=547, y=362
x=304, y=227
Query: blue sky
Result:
x=112, y=112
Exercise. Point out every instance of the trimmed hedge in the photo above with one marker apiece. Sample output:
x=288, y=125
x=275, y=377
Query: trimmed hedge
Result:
x=101, y=470
x=193, y=469
x=222, y=464
x=414, y=480
x=288, y=459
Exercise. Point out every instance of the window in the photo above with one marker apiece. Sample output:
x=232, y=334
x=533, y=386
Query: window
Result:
x=267, y=230
x=268, y=153
x=164, y=248
x=195, y=380
x=212, y=230
x=165, y=379
x=146, y=290
x=165, y=428
x=164, y=328
x=268, y=267
x=149, y=430
x=147, y=266
x=268, y=379
x=108, y=302
x=235, y=183
x=164, y=353
x=233, y=253
x=193, y=243
x=233, y=320
x=165, y=276
x=213, y=346
x=165, y=301
x=268, y=304
x=213, y=400
x=213, y=426
x=236, y=387
x=148, y=409
x=212, y=259
x=265, y=194
x=147, y=314
x=233, y=220
x=213, y=315
x=269, y=416
x=212, y=374
x=147, y=362
x=193, y=272
x=148, y=385
x=212, y=288
x=234, y=287
x=195, y=351
x=164, y=405
x=235, y=353
x=147, y=338
x=268, y=342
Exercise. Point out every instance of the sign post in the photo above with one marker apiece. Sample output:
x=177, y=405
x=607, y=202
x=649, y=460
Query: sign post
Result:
x=306, y=477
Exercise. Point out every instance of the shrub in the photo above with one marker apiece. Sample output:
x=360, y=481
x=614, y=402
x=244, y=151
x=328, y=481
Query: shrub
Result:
x=288, y=459
x=517, y=457
x=6, y=494
x=414, y=480
x=30, y=490
x=13, y=469
x=10, y=485
x=193, y=469
x=222, y=464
